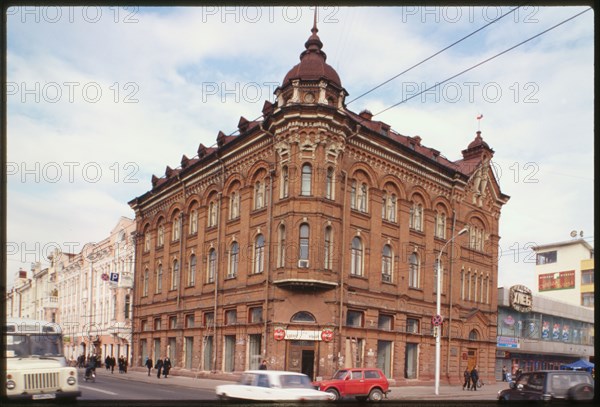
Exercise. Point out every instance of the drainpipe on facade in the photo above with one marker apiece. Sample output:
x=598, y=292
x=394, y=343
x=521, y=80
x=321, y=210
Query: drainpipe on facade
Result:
x=181, y=244
x=450, y=261
x=218, y=263
x=342, y=268
x=269, y=226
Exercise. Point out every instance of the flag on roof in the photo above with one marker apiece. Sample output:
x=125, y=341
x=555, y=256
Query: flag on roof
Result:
x=479, y=116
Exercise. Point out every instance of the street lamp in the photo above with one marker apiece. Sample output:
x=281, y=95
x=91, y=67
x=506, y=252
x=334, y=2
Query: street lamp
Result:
x=438, y=310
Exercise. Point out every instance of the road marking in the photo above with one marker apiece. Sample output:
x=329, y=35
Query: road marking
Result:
x=95, y=389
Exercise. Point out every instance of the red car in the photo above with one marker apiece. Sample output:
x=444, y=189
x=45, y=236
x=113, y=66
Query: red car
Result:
x=362, y=383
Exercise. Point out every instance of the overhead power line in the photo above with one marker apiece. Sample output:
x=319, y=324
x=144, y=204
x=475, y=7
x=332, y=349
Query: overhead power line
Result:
x=484, y=61
x=434, y=55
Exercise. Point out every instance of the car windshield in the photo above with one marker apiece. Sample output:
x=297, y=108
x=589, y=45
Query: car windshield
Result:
x=23, y=346
x=295, y=382
x=340, y=374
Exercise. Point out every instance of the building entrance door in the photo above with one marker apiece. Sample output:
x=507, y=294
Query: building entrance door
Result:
x=301, y=358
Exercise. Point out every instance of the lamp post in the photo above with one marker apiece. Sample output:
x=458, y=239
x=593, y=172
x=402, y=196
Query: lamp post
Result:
x=438, y=310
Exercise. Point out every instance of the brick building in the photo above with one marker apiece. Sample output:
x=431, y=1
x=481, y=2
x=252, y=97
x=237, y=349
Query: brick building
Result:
x=311, y=239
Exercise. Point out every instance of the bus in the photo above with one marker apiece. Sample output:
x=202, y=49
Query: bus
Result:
x=36, y=368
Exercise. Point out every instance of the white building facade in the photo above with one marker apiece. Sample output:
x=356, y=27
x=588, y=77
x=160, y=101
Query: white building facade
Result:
x=565, y=272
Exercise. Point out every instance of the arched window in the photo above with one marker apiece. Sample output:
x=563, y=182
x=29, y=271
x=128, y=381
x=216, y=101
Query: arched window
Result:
x=476, y=234
x=176, y=225
x=234, y=205
x=304, y=245
x=147, y=238
x=303, y=316
x=212, y=213
x=193, y=221
x=211, y=266
x=192, y=271
x=281, y=246
x=306, y=180
x=234, y=259
x=259, y=252
x=440, y=225
x=145, y=283
x=329, y=184
x=160, y=234
x=159, y=276
x=386, y=264
x=328, y=250
x=356, y=258
x=416, y=217
x=473, y=336
x=388, y=208
x=413, y=271
x=285, y=182
x=175, y=275
x=362, y=198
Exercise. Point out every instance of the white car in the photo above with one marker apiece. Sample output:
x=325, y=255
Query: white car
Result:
x=271, y=385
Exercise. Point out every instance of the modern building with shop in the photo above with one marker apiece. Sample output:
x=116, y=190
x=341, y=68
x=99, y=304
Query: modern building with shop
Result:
x=565, y=271
x=541, y=333
x=313, y=239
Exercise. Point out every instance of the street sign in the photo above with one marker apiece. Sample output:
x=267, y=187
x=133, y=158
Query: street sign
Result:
x=114, y=277
x=436, y=320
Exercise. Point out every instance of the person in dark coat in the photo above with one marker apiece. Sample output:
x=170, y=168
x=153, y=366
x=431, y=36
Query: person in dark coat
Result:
x=474, y=378
x=467, y=376
x=166, y=366
x=263, y=365
x=503, y=373
x=158, y=366
x=149, y=365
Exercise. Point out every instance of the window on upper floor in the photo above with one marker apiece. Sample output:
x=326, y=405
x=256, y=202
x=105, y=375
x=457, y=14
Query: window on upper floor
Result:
x=234, y=260
x=416, y=217
x=546, y=258
x=285, y=182
x=387, y=264
x=440, y=225
x=356, y=257
x=354, y=318
x=259, y=254
x=305, y=189
x=304, y=245
x=330, y=183
x=389, y=207
x=176, y=226
x=328, y=249
x=234, y=205
x=359, y=196
x=211, y=266
x=385, y=322
x=587, y=277
x=413, y=271
x=160, y=234
x=193, y=229
x=191, y=278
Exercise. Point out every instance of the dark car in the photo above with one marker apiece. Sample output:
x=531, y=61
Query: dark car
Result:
x=550, y=385
x=362, y=383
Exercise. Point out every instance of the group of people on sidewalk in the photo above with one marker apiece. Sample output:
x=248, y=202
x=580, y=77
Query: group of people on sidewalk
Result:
x=471, y=378
x=110, y=363
x=162, y=366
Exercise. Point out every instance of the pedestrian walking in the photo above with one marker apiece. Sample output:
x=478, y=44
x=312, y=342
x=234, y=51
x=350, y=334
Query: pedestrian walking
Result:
x=263, y=365
x=113, y=362
x=107, y=362
x=474, y=378
x=148, y=364
x=467, y=376
x=504, y=373
x=158, y=366
x=166, y=366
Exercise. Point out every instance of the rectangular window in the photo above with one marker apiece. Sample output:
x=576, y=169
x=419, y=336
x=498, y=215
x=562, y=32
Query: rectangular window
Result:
x=208, y=351
x=587, y=299
x=230, y=317
x=189, y=321
x=189, y=352
x=254, y=351
x=354, y=318
x=172, y=322
x=144, y=325
x=412, y=325
x=545, y=258
x=157, y=324
x=229, y=353
x=209, y=319
x=587, y=277
x=255, y=315
x=385, y=322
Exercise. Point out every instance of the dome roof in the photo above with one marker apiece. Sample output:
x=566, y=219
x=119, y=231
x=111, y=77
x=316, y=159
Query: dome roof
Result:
x=478, y=142
x=312, y=64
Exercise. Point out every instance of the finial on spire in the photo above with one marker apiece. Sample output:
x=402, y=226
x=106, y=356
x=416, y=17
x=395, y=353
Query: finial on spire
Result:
x=479, y=117
x=314, y=29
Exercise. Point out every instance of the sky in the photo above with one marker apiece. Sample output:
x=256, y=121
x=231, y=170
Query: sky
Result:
x=101, y=98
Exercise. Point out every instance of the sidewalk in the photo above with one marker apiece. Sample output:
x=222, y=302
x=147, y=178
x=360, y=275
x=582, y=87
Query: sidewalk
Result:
x=423, y=392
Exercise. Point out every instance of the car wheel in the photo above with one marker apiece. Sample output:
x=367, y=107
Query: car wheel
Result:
x=336, y=395
x=376, y=395
x=223, y=397
x=582, y=391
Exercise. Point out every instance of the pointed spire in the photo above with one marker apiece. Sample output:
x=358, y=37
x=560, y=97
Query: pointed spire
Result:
x=314, y=42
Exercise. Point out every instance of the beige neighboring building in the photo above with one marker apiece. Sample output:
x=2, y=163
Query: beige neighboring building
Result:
x=33, y=297
x=565, y=272
x=94, y=294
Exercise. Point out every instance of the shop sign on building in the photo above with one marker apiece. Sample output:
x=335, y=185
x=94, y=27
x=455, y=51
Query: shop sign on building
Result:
x=556, y=281
x=507, y=342
x=302, y=335
x=520, y=298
